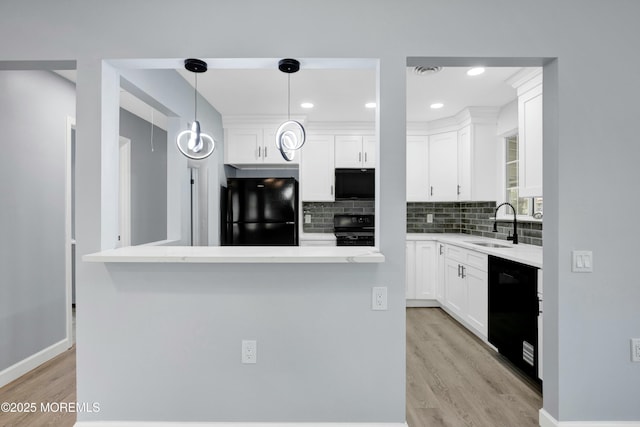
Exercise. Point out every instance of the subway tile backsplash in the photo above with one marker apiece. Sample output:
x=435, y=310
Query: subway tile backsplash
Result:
x=473, y=218
x=322, y=213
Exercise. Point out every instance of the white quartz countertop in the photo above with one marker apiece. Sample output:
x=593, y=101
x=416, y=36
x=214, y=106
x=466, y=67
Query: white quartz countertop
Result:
x=317, y=236
x=525, y=254
x=238, y=254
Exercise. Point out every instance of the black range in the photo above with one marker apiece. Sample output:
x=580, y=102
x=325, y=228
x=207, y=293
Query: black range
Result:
x=354, y=230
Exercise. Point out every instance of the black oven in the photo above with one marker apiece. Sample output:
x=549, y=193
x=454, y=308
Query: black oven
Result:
x=354, y=230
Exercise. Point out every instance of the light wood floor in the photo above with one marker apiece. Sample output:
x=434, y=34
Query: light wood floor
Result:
x=54, y=381
x=453, y=380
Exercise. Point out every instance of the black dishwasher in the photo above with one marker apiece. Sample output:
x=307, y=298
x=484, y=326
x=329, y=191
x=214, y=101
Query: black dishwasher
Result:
x=513, y=313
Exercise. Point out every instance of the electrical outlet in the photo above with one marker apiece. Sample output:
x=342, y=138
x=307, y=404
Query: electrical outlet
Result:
x=249, y=351
x=379, y=298
x=635, y=349
x=307, y=218
x=430, y=218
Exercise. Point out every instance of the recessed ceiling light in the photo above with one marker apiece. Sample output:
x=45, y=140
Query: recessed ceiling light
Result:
x=476, y=71
x=370, y=105
x=306, y=105
x=437, y=105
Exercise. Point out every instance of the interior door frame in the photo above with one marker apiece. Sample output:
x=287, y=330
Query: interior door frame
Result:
x=124, y=198
x=68, y=227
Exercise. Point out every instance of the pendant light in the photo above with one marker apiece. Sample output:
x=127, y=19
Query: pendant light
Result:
x=291, y=134
x=192, y=142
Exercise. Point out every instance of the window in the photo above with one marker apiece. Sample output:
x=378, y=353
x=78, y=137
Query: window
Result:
x=525, y=206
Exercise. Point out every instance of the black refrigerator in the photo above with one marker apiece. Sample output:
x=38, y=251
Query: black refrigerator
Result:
x=259, y=212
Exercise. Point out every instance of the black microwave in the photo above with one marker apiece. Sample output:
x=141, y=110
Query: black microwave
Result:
x=355, y=184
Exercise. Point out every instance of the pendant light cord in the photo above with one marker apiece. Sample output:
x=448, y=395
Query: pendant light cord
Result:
x=288, y=96
x=195, y=100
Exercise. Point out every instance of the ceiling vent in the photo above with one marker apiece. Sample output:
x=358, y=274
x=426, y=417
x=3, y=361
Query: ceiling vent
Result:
x=426, y=71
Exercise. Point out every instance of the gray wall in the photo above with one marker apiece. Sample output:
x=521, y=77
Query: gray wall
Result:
x=34, y=106
x=590, y=100
x=148, y=179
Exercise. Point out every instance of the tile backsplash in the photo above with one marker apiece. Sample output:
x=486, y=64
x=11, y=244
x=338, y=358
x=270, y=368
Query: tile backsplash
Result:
x=473, y=218
x=322, y=213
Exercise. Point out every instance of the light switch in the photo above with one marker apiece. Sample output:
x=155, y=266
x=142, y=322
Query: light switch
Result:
x=582, y=262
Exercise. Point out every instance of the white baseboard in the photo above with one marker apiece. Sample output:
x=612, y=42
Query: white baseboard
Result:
x=546, y=420
x=419, y=303
x=19, y=369
x=227, y=424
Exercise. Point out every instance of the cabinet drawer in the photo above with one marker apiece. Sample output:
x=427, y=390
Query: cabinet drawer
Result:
x=468, y=257
x=477, y=260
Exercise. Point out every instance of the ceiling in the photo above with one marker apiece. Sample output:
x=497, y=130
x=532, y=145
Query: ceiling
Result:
x=338, y=95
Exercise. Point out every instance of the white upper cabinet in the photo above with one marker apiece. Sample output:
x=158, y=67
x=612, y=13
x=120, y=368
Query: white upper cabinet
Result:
x=417, y=168
x=478, y=167
x=443, y=166
x=317, y=169
x=529, y=88
x=253, y=146
x=459, y=164
x=354, y=151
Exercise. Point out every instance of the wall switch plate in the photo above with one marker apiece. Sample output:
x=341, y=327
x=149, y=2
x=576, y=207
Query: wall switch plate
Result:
x=249, y=351
x=430, y=218
x=582, y=261
x=379, y=298
x=307, y=218
x=635, y=349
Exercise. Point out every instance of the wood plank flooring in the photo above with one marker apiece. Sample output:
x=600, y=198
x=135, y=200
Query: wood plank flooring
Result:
x=53, y=381
x=453, y=380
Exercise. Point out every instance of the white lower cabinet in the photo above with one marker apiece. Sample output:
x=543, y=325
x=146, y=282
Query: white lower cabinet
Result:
x=466, y=288
x=421, y=274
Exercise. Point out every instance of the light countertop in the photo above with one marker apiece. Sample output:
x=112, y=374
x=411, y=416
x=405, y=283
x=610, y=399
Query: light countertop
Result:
x=318, y=236
x=525, y=254
x=238, y=254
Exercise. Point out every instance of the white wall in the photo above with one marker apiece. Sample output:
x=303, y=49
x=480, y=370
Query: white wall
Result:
x=34, y=106
x=590, y=165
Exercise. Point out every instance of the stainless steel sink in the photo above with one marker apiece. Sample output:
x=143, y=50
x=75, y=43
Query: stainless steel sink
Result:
x=491, y=245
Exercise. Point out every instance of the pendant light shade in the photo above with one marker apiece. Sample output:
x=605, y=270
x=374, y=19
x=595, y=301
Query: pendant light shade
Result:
x=192, y=142
x=291, y=134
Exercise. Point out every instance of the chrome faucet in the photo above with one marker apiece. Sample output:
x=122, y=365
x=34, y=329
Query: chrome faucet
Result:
x=515, y=223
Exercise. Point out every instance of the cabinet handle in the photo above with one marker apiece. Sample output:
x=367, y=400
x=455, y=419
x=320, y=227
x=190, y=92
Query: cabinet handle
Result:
x=459, y=270
x=462, y=275
x=259, y=152
x=431, y=191
x=441, y=248
x=458, y=190
x=265, y=154
x=332, y=190
x=360, y=156
x=365, y=157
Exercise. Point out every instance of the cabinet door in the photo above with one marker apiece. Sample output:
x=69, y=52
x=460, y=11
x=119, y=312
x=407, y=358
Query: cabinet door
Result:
x=349, y=151
x=530, y=142
x=478, y=299
x=425, y=270
x=417, y=170
x=410, y=268
x=369, y=148
x=464, y=164
x=243, y=146
x=440, y=273
x=271, y=154
x=455, y=292
x=317, y=169
x=443, y=166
